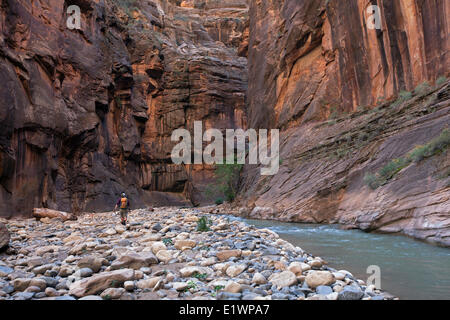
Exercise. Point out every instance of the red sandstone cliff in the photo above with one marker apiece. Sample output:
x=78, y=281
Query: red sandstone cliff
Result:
x=88, y=113
x=310, y=61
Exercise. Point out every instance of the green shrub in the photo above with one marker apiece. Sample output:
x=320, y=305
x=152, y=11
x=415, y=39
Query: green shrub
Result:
x=226, y=184
x=402, y=97
x=191, y=285
x=203, y=224
x=200, y=276
x=372, y=181
x=435, y=146
x=405, y=95
x=441, y=80
x=419, y=153
x=167, y=241
x=218, y=288
x=334, y=113
x=392, y=168
x=219, y=201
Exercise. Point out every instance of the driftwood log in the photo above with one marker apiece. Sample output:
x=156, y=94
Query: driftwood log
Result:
x=49, y=213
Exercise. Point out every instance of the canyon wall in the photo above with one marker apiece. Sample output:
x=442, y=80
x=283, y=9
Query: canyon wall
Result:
x=87, y=114
x=331, y=84
x=308, y=59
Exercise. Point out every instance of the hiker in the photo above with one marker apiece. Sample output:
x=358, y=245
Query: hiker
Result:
x=124, y=204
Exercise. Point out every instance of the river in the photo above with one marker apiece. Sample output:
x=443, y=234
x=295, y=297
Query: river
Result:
x=410, y=269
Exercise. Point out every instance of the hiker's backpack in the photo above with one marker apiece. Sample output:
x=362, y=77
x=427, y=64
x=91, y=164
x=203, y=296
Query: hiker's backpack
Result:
x=123, y=203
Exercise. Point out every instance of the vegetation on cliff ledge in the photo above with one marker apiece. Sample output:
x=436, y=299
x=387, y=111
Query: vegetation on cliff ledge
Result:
x=419, y=153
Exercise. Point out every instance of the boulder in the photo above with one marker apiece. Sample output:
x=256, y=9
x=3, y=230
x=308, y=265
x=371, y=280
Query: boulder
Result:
x=165, y=255
x=5, y=271
x=315, y=264
x=49, y=213
x=258, y=278
x=134, y=260
x=100, y=282
x=110, y=232
x=189, y=271
x=92, y=262
x=120, y=229
x=351, y=293
x=296, y=268
x=180, y=286
x=35, y=262
x=235, y=270
x=39, y=283
x=262, y=213
x=112, y=293
x=129, y=285
x=158, y=246
x=324, y=290
x=319, y=278
x=66, y=270
x=185, y=244
x=233, y=287
x=191, y=218
x=283, y=279
x=148, y=283
x=51, y=292
x=227, y=254
x=152, y=237
x=157, y=227
x=20, y=284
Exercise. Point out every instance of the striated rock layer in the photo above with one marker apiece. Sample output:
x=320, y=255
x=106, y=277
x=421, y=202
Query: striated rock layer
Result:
x=312, y=61
x=86, y=114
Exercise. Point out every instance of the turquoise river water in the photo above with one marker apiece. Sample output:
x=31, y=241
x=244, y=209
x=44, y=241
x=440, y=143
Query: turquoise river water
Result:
x=410, y=269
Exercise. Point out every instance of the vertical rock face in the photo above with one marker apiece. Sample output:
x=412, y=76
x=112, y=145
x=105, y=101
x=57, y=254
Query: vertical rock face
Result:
x=310, y=61
x=88, y=113
x=310, y=58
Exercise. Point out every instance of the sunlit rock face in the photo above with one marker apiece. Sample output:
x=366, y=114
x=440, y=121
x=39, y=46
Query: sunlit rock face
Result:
x=313, y=61
x=88, y=113
x=307, y=57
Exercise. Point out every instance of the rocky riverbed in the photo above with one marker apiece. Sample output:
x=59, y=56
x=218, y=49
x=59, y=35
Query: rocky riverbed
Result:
x=162, y=255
